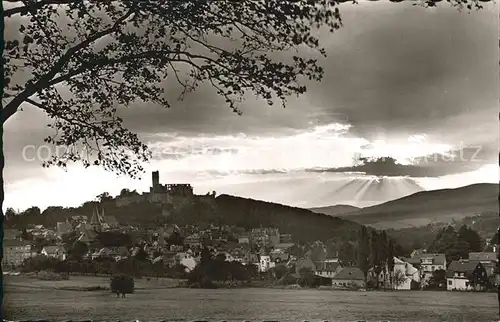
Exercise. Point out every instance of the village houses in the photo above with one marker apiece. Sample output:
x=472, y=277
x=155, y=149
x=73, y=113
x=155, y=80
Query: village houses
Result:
x=466, y=275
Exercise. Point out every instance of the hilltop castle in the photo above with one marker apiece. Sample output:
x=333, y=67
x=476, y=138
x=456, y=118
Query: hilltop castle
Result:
x=161, y=192
x=158, y=193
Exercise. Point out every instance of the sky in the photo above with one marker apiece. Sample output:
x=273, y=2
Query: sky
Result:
x=413, y=90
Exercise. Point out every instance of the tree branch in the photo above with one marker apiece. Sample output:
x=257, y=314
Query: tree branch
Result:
x=36, y=5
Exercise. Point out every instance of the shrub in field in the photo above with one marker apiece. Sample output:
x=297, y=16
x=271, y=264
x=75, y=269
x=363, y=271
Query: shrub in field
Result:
x=122, y=284
x=51, y=276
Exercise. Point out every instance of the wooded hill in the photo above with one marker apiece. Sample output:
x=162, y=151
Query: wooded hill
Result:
x=303, y=224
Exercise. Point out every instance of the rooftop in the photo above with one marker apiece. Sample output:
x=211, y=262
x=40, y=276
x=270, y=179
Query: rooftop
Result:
x=350, y=273
x=437, y=259
x=462, y=266
x=483, y=256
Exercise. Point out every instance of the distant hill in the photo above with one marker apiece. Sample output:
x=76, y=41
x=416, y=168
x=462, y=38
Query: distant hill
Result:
x=335, y=210
x=423, y=208
x=485, y=224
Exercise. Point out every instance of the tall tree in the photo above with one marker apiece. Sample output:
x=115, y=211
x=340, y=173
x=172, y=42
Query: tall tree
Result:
x=471, y=237
x=363, y=251
x=384, y=253
x=376, y=259
x=205, y=256
x=390, y=260
x=347, y=254
x=10, y=213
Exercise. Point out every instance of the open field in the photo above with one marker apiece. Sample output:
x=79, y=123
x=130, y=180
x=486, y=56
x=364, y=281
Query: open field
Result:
x=176, y=304
x=79, y=282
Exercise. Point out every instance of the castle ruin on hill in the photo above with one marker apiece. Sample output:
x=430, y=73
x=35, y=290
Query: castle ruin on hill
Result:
x=160, y=193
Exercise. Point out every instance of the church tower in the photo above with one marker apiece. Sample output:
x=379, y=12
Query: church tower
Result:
x=96, y=221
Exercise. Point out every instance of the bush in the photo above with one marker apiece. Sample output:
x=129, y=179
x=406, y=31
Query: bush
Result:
x=414, y=285
x=51, y=276
x=122, y=284
x=287, y=280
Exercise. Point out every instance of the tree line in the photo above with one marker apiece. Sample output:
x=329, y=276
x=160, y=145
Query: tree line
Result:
x=215, y=269
x=456, y=244
x=137, y=267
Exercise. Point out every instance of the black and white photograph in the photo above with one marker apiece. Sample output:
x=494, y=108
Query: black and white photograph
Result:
x=250, y=160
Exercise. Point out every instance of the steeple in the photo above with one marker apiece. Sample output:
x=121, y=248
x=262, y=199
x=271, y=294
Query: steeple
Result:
x=96, y=220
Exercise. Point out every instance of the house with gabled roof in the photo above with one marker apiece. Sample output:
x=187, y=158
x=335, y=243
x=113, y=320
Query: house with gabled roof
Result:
x=87, y=236
x=466, y=275
x=409, y=275
x=349, y=277
x=54, y=251
x=428, y=263
x=328, y=268
x=488, y=259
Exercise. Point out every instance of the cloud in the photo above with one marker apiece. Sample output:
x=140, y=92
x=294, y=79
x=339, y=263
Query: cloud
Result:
x=433, y=165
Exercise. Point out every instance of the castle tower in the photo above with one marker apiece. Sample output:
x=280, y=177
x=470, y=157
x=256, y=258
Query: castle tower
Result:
x=156, y=180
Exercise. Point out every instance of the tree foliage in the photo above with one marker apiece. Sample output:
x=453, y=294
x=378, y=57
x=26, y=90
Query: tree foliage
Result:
x=456, y=245
x=114, y=239
x=116, y=53
x=363, y=251
x=437, y=280
x=80, y=60
x=78, y=250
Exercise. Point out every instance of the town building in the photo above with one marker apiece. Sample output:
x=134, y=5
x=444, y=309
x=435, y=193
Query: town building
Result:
x=193, y=241
x=279, y=255
x=488, y=259
x=265, y=263
x=57, y=252
x=349, y=277
x=466, y=275
x=328, y=268
x=244, y=238
x=187, y=260
x=63, y=227
x=75, y=220
x=428, y=263
x=404, y=276
x=285, y=238
x=15, y=252
x=265, y=236
x=87, y=236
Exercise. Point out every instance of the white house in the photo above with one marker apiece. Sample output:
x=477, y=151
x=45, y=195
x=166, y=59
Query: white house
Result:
x=54, y=251
x=265, y=263
x=187, y=260
x=405, y=272
x=429, y=263
x=409, y=272
x=465, y=275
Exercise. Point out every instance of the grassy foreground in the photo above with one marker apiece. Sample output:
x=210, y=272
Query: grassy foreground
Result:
x=157, y=300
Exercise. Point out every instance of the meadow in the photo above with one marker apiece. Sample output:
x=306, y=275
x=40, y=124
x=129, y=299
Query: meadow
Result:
x=157, y=300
